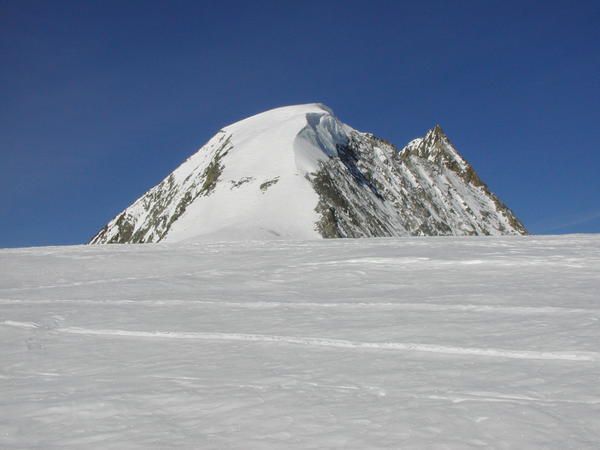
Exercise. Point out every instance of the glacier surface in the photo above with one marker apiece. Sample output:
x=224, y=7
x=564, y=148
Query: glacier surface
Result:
x=364, y=343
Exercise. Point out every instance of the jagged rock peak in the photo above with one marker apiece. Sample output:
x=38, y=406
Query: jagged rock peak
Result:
x=436, y=147
x=437, y=132
x=437, y=140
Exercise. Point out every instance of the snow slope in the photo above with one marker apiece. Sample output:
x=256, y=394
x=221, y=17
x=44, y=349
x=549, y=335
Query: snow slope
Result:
x=298, y=172
x=479, y=342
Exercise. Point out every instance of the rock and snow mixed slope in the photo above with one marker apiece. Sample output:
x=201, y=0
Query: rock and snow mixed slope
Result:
x=394, y=343
x=298, y=172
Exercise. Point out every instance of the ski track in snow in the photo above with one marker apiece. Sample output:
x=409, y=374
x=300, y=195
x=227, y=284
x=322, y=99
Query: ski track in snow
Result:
x=449, y=396
x=321, y=342
x=494, y=397
x=483, y=308
x=395, y=343
x=94, y=282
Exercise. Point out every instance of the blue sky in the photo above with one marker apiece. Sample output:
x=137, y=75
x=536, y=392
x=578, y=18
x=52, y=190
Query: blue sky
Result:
x=101, y=100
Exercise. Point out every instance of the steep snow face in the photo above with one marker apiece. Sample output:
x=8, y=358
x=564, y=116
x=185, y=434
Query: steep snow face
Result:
x=298, y=172
x=262, y=190
x=248, y=181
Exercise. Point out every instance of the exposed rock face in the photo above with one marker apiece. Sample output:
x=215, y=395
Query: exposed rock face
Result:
x=150, y=218
x=427, y=189
x=298, y=172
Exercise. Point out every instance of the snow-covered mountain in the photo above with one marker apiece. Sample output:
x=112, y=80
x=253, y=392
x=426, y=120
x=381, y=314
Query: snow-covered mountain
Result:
x=298, y=172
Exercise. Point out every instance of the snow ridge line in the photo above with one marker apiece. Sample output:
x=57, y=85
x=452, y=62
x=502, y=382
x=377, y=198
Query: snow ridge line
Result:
x=326, y=342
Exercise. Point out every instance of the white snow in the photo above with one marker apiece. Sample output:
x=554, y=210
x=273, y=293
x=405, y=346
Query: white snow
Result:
x=365, y=343
x=262, y=151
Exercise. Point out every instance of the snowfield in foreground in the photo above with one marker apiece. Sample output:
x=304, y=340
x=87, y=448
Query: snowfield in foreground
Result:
x=399, y=343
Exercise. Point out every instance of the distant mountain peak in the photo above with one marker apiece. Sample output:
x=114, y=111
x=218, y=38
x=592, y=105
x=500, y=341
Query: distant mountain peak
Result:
x=299, y=172
x=436, y=147
x=437, y=131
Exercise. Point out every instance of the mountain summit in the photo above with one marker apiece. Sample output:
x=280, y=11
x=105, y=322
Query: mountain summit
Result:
x=297, y=172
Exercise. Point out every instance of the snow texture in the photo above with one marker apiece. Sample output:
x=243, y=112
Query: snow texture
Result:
x=479, y=342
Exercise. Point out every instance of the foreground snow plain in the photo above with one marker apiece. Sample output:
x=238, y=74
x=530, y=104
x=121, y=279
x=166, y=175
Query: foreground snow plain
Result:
x=372, y=343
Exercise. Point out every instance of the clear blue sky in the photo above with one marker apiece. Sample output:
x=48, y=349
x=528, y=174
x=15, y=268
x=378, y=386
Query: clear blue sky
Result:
x=100, y=100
